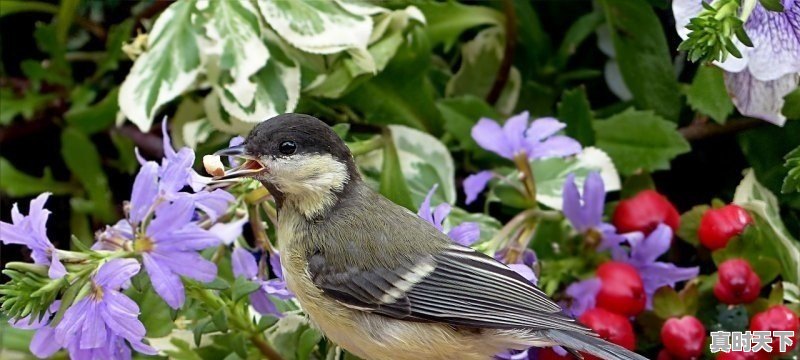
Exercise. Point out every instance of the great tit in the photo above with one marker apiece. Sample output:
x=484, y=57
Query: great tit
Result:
x=378, y=280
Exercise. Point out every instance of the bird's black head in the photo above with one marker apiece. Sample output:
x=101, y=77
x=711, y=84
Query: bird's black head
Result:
x=299, y=158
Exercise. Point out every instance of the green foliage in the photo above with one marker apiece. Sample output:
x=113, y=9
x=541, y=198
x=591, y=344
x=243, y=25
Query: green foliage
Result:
x=707, y=94
x=791, y=183
x=639, y=140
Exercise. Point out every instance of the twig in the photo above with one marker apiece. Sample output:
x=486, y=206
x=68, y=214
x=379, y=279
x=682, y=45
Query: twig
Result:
x=503, y=72
x=259, y=232
x=698, y=130
x=264, y=348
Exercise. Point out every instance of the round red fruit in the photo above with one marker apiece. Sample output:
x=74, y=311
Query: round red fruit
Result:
x=664, y=355
x=684, y=338
x=777, y=318
x=610, y=326
x=718, y=226
x=644, y=212
x=737, y=283
x=622, y=289
x=550, y=354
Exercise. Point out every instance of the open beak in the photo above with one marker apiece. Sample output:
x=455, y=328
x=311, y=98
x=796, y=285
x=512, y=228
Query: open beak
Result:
x=248, y=168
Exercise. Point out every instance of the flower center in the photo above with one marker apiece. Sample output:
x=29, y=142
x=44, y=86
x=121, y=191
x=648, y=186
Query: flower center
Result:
x=97, y=291
x=593, y=237
x=143, y=243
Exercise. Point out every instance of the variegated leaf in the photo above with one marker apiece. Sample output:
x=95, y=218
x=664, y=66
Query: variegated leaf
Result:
x=319, y=27
x=168, y=68
x=550, y=174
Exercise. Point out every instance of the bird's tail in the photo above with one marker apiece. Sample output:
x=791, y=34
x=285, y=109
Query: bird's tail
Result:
x=575, y=341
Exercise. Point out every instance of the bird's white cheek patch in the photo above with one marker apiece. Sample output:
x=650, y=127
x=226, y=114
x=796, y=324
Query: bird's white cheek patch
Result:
x=308, y=181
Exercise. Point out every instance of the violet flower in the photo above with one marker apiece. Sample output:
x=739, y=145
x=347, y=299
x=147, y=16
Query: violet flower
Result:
x=31, y=230
x=585, y=212
x=767, y=71
x=244, y=264
x=583, y=295
x=523, y=265
x=516, y=138
x=643, y=254
x=43, y=344
x=96, y=326
x=465, y=234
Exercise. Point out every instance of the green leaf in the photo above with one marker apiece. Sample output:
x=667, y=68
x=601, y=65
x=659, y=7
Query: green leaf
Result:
x=690, y=223
x=97, y=117
x=579, y=31
x=392, y=182
x=791, y=106
x=447, y=20
x=117, y=35
x=422, y=161
x=220, y=319
x=643, y=56
x=765, y=149
x=126, y=161
x=66, y=13
x=772, y=5
x=636, y=183
x=708, y=95
x=460, y=114
x=182, y=350
x=83, y=160
x=319, y=27
x=243, y=287
x=27, y=105
x=791, y=183
x=488, y=225
x=218, y=284
x=575, y=111
x=308, y=341
x=667, y=303
x=639, y=140
x=754, y=197
x=169, y=67
x=16, y=183
x=15, y=6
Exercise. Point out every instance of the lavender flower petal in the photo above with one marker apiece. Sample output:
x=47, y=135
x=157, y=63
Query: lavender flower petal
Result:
x=475, y=184
x=243, y=263
x=170, y=217
x=571, y=205
x=760, y=99
x=776, y=41
x=275, y=264
x=465, y=234
x=543, y=128
x=525, y=271
x=656, y=244
x=116, y=273
x=594, y=198
x=166, y=283
x=200, y=269
x=43, y=344
x=490, y=136
x=263, y=304
x=56, y=270
x=227, y=232
x=145, y=191
x=190, y=238
x=514, y=130
x=424, y=210
x=583, y=294
x=214, y=203
x=555, y=146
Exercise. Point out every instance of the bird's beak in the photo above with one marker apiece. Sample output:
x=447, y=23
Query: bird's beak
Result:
x=248, y=168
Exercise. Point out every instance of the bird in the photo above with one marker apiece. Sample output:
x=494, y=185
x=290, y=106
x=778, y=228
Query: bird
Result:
x=381, y=282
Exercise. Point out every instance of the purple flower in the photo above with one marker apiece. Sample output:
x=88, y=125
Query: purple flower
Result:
x=643, y=253
x=31, y=230
x=96, y=326
x=168, y=244
x=585, y=212
x=583, y=295
x=43, y=344
x=235, y=141
x=767, y=71
x=515, y=137
x=475, y=183
x=465, y=234
x=527, y=354
x=523, y=265
x=244, y=264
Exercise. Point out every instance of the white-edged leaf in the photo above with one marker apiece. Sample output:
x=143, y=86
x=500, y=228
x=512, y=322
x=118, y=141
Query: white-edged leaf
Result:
x=220, y=118
x=276, y=89
x=168, y=68
x=235, y=28
x=550, y=174
x=319, y=27
x=424, y=161
x=360, y=7
x=195, y=132
x=753, y=196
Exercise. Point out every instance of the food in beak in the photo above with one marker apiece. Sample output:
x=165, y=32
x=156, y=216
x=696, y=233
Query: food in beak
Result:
x=213, y=165
x=248, y=168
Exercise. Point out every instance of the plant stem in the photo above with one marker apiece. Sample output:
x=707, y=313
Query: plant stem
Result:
x=265, y=349
x=366, y=146
x=259, y=231
x=526, y=173
x=501, y=79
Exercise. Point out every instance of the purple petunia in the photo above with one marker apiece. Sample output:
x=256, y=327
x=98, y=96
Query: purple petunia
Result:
x=583, y=295
x=465, y=234
x=98, y=325
x=31, y=230
x=516, y=138
x=643, y=253
x=770, y=69
x=244, y=264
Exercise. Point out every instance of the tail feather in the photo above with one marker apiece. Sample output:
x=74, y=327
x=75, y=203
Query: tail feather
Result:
x=575, y=341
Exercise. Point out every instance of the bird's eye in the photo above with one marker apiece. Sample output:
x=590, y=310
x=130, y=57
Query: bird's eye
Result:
x=287, y=147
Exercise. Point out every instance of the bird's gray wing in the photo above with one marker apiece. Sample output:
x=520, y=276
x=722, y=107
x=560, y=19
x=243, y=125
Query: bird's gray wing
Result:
x=457, y=286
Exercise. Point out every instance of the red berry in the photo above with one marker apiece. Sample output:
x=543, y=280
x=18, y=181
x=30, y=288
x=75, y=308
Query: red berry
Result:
x=737, y=283
x=664, y=355
x=718, y=226
x=622, y=289
x=610, y=326
x=684, y=338
x=550, y=354
x=644, y=212
x=777, y=318
x=741, y=355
